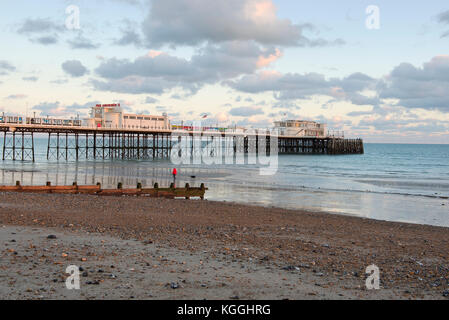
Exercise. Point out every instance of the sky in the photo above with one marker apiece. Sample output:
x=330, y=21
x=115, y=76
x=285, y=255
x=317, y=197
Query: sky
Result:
x=378, y=70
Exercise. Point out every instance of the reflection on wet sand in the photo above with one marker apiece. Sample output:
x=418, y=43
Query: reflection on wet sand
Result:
x=109, y=174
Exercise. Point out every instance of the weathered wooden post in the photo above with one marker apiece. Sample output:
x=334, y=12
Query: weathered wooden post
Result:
x=187, y=191
x=156, y=187
x=203, y=191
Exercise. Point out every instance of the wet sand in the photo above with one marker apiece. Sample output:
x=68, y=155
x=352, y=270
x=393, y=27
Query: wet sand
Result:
x=146, y=248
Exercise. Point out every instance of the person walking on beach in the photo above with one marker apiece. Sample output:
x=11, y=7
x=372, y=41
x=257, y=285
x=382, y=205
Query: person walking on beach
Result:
x=175, y=172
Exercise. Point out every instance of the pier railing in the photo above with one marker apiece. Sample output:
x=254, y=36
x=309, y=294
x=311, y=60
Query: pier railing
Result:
x=78, y=143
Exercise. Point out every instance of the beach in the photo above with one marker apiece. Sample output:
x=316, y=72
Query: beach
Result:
x=145, y=248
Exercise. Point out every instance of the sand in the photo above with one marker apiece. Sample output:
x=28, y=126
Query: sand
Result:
x=142, y=248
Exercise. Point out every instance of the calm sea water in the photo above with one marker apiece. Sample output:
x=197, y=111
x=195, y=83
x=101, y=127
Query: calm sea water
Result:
x=395, y=182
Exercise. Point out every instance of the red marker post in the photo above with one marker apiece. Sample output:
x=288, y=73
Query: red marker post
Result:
x=175, y=172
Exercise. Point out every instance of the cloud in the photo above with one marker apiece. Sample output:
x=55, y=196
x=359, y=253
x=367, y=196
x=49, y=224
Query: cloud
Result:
x=41, y=30
x=394, y=125
x=129, y=2
x=193, y=22
x=74, y=68
x=56, y=109
x=31, y=79
x=151, y=100
x=39, y=25
x=286, y=105
x=359, y=113
x=209, y=65
x=46, y=40
x=77, y=106
x=129, y=37
x=134, y=85
x=444, y=17
x=81, y=42
x=423, y=87
x=294, y=86
x=16, y=96
x=59, y=81
x=246, y=111
x=161, y=108
x=6, y=67
x=51, y=109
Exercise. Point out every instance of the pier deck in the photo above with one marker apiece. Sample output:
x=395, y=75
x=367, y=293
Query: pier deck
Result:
x=77, y=143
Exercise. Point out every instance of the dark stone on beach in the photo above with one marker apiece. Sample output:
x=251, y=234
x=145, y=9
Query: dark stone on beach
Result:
x=12, y=240
x=85, y=274
x=81, y=269
x=437, y=283
x=96, y=282
x=446, y=293
x=51, y=236
x=100, y=270
x=356, y=274
x=234, y=298
x=112, y=276
x=290, y=268
x=174, y=285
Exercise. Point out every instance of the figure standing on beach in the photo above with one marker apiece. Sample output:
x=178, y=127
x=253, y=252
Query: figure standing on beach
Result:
x=175, y=172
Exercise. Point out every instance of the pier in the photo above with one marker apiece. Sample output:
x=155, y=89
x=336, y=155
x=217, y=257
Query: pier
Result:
x=78, y=143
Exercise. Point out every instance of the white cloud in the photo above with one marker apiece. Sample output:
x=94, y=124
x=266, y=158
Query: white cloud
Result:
x=74, y=68
x=423, y=87
x=6, y=67
x=246, y=111
x=193, y=22
x=208, y=65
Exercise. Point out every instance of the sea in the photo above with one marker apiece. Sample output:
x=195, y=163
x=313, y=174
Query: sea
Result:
x=392, y=182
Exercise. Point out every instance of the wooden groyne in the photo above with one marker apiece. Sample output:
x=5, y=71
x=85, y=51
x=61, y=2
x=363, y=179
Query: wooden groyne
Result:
x=156, y=192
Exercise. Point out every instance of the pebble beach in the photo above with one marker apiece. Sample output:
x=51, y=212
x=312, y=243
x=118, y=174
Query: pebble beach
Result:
x=145, y=248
